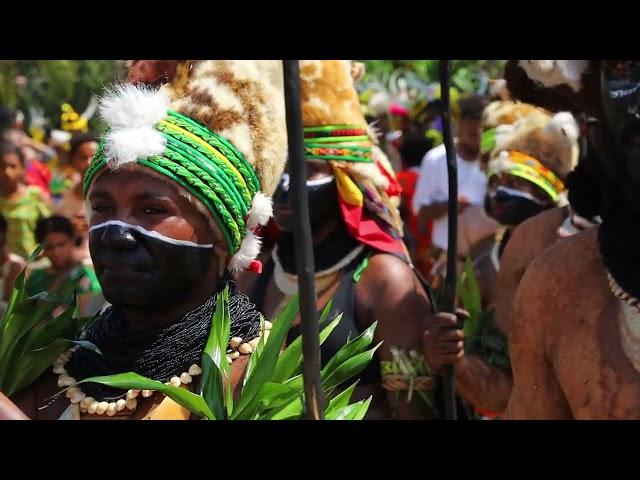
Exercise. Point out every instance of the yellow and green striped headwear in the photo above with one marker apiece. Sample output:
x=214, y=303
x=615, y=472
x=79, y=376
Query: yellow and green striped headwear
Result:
x=143, y=130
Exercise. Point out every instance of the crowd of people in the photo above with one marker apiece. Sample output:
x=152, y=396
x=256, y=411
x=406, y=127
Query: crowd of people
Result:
x=173, y=200
x=41, y=204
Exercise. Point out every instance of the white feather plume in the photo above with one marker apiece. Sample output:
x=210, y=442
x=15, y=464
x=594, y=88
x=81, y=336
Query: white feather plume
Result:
x=564, y=124
x=551, y=73
x=129, y=106
x=248, y=252
x=127, y=145
x=261, y=211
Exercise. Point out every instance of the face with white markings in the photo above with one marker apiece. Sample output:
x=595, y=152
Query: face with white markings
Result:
x=151, y=247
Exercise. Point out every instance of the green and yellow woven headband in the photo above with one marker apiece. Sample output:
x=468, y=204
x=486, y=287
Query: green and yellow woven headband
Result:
x=344, y=143
x=206, y=165
x=525, y=166
x=143, y=130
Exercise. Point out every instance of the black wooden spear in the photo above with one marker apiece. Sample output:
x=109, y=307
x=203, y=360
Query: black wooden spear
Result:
x=452, y=246
x=299, y=202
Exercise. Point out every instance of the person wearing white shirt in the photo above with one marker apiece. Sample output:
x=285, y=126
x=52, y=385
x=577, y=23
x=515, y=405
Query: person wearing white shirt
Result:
x=432, y=190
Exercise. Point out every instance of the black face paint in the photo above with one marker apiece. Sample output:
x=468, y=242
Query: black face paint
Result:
x=323, y=202
x=137, y=268
x=511, y=207
x=620, y=95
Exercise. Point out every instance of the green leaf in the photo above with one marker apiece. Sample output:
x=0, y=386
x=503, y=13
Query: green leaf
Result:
x=355, y=411
x=291, y=411
x=215, y=368
x=262, y=370
x=272, y=396
x=341, y=400
x=212, y=386
x=23, y=319
x=362, y=411
x=290, y=361
x=348, y=369
x=296, y=383
x=350, y=349
x=66, y=325
x=182, y=396
x=34, y=365
x=471, y=299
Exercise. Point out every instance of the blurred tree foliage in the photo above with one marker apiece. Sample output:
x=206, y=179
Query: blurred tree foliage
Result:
x=47, y=84
x=464, y=72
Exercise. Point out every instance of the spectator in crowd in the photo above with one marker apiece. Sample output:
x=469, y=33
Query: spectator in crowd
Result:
x=10, y=266
x=21, y=205
x=83, y=147
x=57, y=236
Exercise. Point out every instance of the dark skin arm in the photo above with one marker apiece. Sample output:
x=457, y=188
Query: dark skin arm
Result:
x=9, y=410
x=479, y=384
x=390, y=293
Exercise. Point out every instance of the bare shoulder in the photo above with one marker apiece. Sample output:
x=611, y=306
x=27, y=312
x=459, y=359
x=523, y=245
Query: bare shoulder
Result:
x=528, y=241
x=388, y=282
x=538, y=232
x=567, y=257
x=555, y=285
x=386, y=270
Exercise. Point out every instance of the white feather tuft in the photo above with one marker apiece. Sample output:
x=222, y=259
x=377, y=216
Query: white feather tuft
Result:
x=261, y=211
x=379, y=103
x=551, y=73
x=248, y=252
x=127, y=145
x=564, y=124
x=503, y=132
x=129, y=106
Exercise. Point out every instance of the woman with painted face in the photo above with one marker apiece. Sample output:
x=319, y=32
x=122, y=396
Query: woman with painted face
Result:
x=175, y=196
x=526, y=171
x=361, y=262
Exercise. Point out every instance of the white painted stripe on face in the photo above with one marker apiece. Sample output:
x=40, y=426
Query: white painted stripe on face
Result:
x=286, y=179
x=150, y=233
x=320, y=181
x=518, y=193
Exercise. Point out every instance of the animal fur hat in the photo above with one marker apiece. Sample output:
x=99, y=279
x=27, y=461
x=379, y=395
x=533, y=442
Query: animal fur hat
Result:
x=336, y=131
x=214, y=127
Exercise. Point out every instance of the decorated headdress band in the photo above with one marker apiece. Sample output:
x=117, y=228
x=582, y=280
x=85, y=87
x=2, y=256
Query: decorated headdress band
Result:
x=336, y=131
x=345, y=143
x=525, y=166
x=145, y=131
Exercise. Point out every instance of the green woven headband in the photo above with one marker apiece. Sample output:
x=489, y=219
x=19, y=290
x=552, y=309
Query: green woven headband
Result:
x=204, y=164
x=336, y=142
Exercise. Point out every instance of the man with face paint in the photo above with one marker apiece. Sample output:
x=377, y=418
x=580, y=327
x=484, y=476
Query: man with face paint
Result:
x=574, y=337
x=526, y=170
x=526, y=176
x=361, y=262
x=175, y=197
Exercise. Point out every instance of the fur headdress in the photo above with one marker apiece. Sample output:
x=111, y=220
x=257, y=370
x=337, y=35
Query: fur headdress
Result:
x=572, y=85
x=540, y=148
x=499, y=117
x=336, y=131
x=216, y=128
